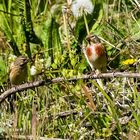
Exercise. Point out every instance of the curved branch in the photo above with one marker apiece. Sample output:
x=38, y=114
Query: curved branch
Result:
x=26, y=86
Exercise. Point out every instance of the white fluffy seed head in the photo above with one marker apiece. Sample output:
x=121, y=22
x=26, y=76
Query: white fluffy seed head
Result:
x=33, y=70
x=80, y=6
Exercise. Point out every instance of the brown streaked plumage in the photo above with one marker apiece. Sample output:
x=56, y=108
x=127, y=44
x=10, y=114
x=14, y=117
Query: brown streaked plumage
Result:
x=18, y=70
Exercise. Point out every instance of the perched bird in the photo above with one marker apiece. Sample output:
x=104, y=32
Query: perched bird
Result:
x=96, y=54
x=18, y=70
x=18, y=75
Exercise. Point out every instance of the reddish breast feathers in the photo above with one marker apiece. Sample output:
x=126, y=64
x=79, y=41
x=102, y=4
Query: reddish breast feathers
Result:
x=89, y=51
x=99, y=49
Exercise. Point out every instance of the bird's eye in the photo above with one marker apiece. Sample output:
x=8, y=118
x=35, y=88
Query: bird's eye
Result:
x=96, y=39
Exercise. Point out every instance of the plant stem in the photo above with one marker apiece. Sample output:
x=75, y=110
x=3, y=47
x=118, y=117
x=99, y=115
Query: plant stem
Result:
x=86, y=24
x=66, y=29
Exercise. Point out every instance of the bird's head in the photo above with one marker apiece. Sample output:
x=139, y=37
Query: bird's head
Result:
x=93, y=38
x=21, y=61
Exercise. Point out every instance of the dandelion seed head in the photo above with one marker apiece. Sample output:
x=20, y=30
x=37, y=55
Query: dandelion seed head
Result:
x=80, y=6
x=33, y=70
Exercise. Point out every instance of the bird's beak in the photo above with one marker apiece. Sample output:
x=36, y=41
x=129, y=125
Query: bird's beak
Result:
x=25, y=62
x=88, y=38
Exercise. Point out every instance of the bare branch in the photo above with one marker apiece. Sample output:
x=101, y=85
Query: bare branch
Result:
x=26, y=86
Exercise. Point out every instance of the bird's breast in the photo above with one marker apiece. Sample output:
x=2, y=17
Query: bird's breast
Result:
x=99, y=49
x=18, y=75
x=93, y=52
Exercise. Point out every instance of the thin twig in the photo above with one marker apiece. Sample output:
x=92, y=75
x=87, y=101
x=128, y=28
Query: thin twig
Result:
x=26, y=86
x=9, y=13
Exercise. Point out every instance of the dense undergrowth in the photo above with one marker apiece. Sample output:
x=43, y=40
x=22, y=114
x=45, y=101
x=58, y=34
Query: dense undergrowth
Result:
x=53, y=34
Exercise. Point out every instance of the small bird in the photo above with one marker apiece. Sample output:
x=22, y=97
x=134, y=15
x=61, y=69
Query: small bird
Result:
x=96, y=54
x=18, y=70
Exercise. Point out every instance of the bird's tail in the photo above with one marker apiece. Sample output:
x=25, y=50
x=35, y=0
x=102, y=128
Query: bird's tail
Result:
x=101, y=82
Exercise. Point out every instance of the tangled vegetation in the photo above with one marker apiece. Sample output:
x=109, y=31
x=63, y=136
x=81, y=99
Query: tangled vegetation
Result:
x=52, y=34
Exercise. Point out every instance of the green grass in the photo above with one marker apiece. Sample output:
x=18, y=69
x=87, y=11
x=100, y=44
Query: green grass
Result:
x=72, y=110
